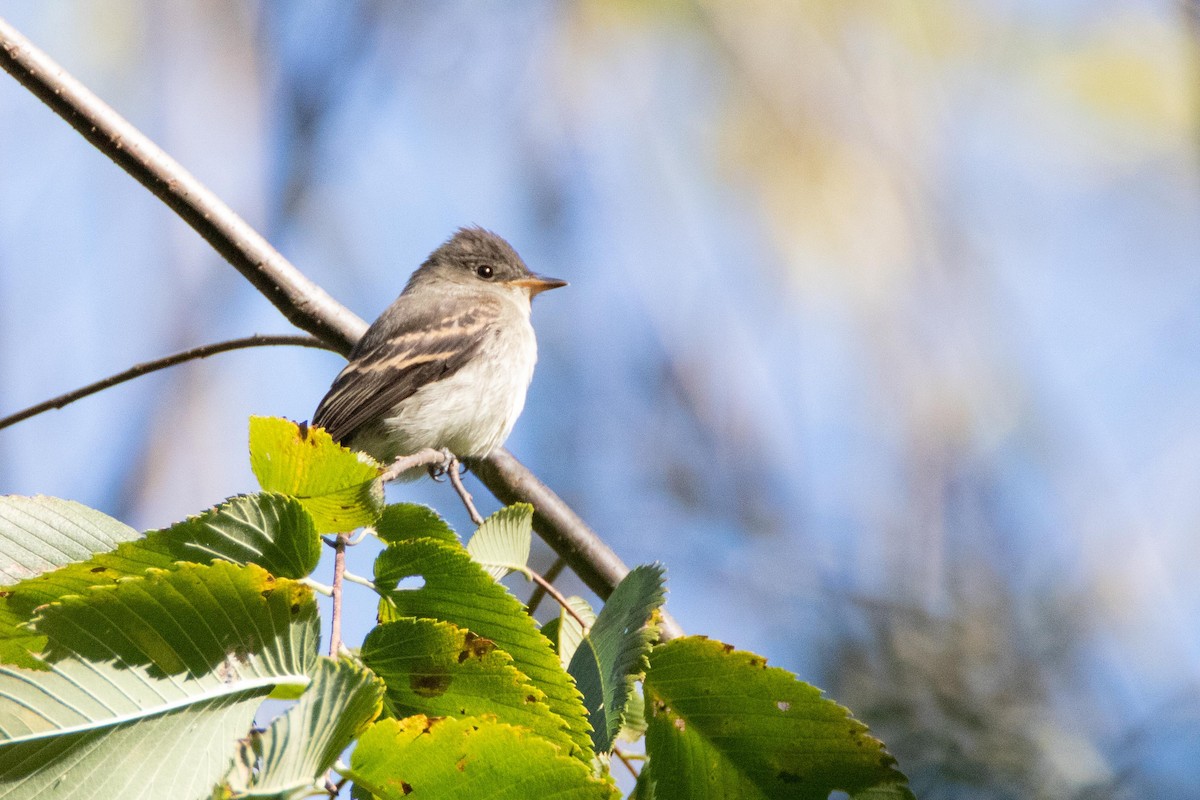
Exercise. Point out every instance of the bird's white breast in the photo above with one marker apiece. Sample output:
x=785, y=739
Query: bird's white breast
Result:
x=473, y=411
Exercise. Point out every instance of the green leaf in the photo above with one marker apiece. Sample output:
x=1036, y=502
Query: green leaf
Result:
x=40, y=534
x=338, y=486
x=886, y=791
x=501, y=545
x=470, y=758
x=612, y=656
x=294, y=753
x=273, y=530
x=175, y=754
x=441, y=670
x=724, y=724
x=644, y=788
x=403, y=521
x=189, y=620
x=177, y=662
x=37, y=536
x=633, y=724
x=457, y=590
x=565, y=632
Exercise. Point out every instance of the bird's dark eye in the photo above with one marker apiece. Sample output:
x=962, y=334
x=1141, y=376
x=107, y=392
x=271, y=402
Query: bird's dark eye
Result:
x=484, y=271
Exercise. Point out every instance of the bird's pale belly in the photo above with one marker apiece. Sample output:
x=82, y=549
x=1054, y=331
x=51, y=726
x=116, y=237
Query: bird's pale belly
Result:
x=471, y=412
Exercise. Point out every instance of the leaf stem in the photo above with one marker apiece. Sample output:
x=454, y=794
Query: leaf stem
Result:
x=332, y=789
x=361, y=581
x=317, y=586
x=539, y=593
x=547, y=587
x=363, y=534
x=625, y=760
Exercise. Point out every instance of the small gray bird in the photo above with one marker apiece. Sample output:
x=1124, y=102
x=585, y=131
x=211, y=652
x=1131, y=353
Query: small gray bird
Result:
x=448, y=363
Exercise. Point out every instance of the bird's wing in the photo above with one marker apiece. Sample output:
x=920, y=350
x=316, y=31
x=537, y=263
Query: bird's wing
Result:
x=421, y=348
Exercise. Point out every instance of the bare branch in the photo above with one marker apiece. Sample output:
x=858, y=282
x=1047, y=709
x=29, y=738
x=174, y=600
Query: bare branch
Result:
x=301, y=301
x=306, y=305
x=145, y=368
x=339, y=573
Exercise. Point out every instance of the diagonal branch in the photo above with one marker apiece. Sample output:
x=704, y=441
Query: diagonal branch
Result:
x=302, y=302
x=145, y=368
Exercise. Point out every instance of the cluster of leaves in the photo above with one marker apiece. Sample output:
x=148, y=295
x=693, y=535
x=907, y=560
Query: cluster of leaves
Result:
x=132, y=665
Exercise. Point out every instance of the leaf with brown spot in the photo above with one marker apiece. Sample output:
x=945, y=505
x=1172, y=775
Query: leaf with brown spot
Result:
x=458, y=591
x=438, y=669
x=431, y=685
x=451, y=757
x=715, y=730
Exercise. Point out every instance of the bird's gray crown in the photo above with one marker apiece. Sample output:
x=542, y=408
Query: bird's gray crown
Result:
x=466, y=256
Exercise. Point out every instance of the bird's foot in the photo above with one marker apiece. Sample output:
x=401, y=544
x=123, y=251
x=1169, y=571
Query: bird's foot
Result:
x=436, y=461
x=439, y=470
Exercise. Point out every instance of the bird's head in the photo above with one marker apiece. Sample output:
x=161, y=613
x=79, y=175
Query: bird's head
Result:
x=474, y=256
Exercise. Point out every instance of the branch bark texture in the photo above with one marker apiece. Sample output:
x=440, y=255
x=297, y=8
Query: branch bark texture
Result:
x=302, y=302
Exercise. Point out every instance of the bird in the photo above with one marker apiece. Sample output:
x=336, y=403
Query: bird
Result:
x=447, y=365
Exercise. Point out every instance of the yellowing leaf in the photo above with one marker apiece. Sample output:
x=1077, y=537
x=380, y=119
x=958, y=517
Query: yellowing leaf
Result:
x=338, y=487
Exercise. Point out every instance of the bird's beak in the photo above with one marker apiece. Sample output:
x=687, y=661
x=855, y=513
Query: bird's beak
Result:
x=537, y=284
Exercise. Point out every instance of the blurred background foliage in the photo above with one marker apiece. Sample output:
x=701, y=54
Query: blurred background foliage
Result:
x=883, y=332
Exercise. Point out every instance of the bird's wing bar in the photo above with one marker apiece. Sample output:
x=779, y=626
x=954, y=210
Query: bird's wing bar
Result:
x=426, y=348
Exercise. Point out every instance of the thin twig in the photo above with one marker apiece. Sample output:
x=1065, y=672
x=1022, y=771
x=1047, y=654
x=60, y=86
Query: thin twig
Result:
x=457, y=482
x=339, y=572
x=625, y=760
x=145, y=368
x=547, y=587
x=535, y=599
x=300, y=300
